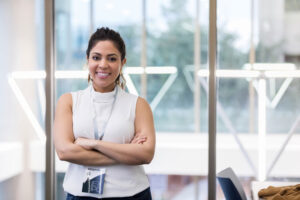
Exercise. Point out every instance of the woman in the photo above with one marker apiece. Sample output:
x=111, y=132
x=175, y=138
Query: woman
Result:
x=105, y=133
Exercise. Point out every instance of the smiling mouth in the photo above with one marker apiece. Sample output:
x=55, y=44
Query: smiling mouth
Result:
x=102, y=74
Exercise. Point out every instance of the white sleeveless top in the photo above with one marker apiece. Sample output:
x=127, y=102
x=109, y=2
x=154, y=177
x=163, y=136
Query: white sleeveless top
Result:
x=120, y=180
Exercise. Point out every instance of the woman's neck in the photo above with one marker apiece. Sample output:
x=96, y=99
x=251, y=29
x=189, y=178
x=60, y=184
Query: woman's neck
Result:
x=109, y=88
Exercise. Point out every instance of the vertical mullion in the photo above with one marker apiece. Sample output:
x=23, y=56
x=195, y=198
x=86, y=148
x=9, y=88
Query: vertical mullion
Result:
x=212, y=100
x=91, y=9
x=197, y=57
x=196, y=69
x=144, y=54
x=251, y=61
x=49, y=67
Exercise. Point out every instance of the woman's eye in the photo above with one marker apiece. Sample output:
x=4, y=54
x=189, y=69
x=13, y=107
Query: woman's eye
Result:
x=112, y=59
x=95, y=58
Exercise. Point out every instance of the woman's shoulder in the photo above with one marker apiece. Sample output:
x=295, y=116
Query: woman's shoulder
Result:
x=65, y=99
x=142, y=103
x=68, y=98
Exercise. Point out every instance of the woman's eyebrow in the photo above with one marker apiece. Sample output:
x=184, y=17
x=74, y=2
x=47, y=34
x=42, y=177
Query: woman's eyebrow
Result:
x=112, y=54
x=96, y=53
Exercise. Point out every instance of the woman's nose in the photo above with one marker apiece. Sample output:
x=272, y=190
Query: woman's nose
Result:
x=102, y=63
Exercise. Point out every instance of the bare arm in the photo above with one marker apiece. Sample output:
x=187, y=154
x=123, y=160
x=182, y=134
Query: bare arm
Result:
x=140, y=150
x=64, y=138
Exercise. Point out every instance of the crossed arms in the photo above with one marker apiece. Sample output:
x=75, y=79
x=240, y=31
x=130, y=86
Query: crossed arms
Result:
x=100, y=153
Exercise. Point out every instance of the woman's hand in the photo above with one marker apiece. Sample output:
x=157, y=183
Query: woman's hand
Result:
x=90, y=144
x=86, y=143
x=141, y=148
x=138, y=139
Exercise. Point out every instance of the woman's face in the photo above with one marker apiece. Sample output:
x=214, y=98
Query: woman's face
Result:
x=104, y=65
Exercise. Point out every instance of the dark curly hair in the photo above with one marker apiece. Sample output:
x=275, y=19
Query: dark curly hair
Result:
x=105, y=33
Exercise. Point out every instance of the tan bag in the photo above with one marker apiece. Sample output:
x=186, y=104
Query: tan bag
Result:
x=280, y=193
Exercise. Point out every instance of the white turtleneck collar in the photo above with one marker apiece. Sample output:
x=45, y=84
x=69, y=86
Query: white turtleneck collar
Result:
x=102, y=97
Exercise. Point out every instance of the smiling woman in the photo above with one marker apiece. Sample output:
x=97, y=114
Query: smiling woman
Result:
x=106, y=51
x=105, y=133
x=104, y=64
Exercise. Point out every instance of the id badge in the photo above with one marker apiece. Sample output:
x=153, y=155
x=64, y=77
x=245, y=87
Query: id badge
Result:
x=94, y=180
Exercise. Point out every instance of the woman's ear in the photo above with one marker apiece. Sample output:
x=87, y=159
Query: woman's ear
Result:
x=124, y=61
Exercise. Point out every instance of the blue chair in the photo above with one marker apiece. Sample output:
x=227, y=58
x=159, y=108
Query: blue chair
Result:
x=230, y=184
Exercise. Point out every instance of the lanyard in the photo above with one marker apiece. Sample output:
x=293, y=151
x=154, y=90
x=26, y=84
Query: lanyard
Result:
x=96, y=134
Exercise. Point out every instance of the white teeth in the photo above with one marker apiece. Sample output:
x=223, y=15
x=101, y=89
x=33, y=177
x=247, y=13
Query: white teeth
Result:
x=102, y=75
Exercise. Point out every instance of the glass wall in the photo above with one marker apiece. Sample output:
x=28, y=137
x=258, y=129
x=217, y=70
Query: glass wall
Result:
x=170, y=42
x=22, y=135
x=257, y=107
x=258, y=58
x=170, y=52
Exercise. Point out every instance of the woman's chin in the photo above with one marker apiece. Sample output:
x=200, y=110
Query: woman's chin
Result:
x=107, y=87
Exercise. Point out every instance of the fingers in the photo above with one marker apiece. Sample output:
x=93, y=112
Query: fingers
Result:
x=77, y=141
x=80, y=141
x=85, y=143
x=139, y=139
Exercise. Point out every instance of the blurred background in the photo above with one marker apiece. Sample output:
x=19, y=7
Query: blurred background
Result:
x=258, y=87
